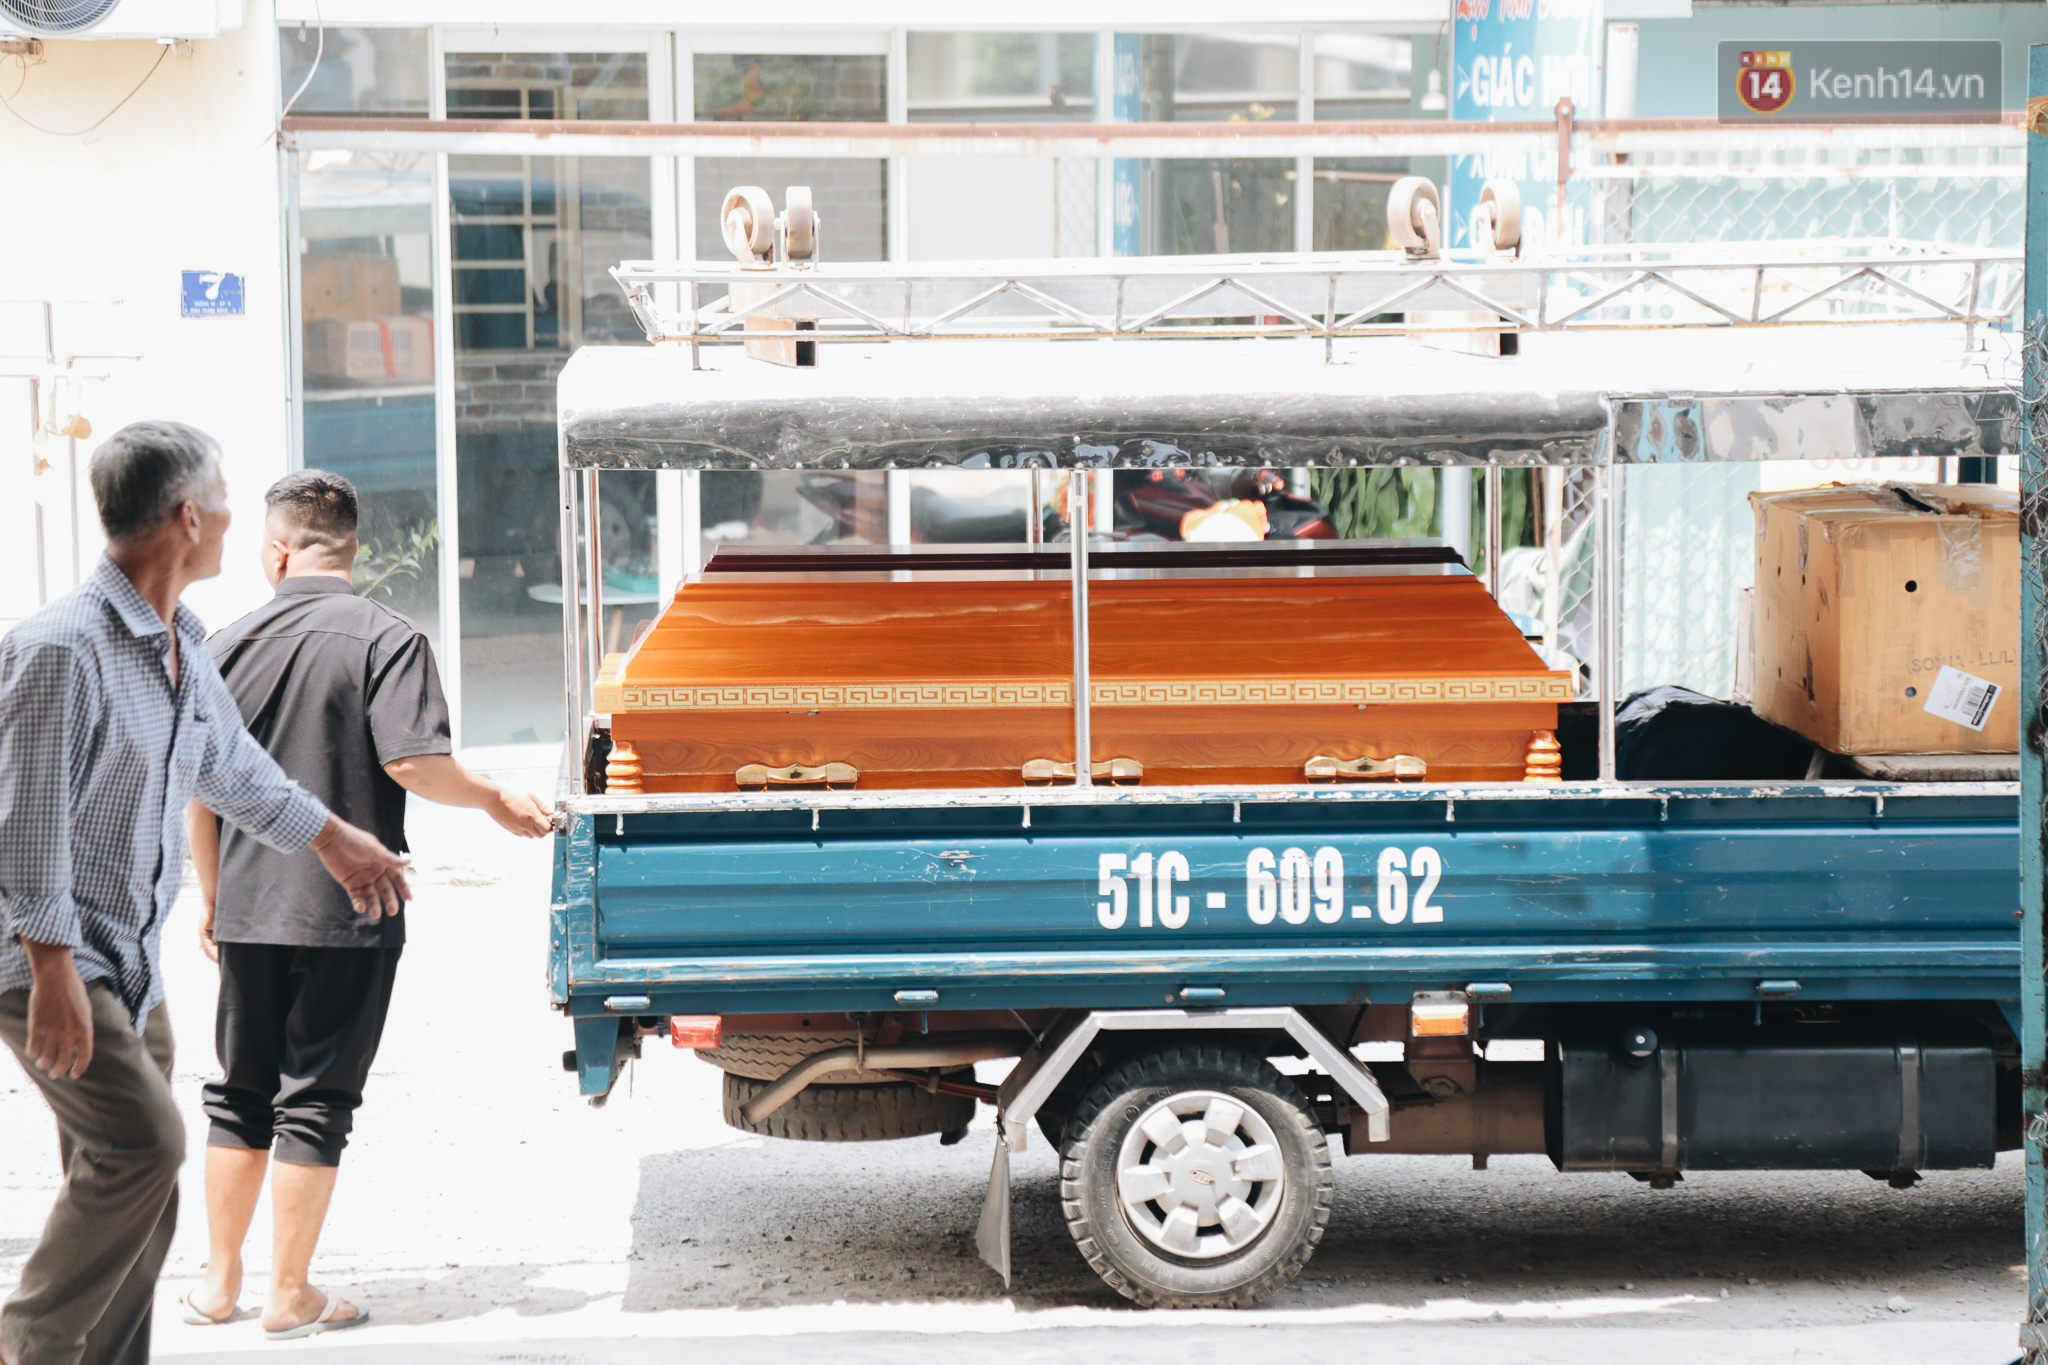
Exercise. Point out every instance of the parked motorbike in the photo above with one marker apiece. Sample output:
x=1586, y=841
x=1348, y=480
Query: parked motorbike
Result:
x=1149, y=504
x=1182, y=504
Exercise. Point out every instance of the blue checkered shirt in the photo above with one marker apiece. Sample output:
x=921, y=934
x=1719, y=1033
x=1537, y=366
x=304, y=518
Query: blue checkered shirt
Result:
x=99, y=754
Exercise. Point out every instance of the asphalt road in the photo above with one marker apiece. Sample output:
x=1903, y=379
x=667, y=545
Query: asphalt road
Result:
x=486, y=1214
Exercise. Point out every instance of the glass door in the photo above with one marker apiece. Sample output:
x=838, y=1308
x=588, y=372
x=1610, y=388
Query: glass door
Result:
x=366, y=308
x=531, y=241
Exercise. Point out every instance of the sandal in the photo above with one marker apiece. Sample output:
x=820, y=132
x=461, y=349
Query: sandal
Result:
x=324, y=1322
x=195, y=1316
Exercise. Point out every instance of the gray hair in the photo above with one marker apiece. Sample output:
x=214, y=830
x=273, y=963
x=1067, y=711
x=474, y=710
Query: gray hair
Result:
x=144, y=471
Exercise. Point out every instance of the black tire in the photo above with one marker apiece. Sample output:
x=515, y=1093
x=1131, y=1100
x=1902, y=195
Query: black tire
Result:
x=850, y=1113
x=766, y=1056
x=1132, y=1264
x=1059, y=1106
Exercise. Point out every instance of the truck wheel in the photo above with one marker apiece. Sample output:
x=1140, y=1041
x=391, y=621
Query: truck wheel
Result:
x=765, y=1056
x=850, y=1113
x=1195, y=1177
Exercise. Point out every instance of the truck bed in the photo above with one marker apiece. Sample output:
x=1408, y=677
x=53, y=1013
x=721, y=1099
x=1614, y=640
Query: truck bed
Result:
x=1053, y=898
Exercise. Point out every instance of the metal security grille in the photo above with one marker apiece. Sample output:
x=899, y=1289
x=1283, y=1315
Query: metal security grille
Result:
x=1688, y=550
x=1968, y=196
x=1074, y=194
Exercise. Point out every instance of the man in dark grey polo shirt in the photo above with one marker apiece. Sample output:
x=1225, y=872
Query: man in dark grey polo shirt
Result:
x=344, y=694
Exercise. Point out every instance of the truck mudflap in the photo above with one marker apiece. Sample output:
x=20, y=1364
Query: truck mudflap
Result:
x=1035, y=1078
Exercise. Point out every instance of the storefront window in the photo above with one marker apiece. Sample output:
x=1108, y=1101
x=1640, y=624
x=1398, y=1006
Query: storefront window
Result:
x=355, y=70
x=1218, y=77
x=559, y=85
x=997, y=77
x=1363, y=76
x=366, y=277
x=1351, y=202
x=851, y=197
x=1199, y=207
x=1203, y=207
x=846, y=88
x=533, y=238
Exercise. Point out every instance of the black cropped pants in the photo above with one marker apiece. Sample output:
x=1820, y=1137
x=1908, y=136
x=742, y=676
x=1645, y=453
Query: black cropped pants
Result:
x=297, y=1029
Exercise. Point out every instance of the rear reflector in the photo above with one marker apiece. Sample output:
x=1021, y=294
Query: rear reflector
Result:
x=1437, y=1021
x=697, y=1030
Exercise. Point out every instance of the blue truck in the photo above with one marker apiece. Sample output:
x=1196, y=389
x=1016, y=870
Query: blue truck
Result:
x=1203, y=993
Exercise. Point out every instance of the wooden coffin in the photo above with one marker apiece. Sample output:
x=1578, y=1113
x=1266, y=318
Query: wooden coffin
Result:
x=953, y=668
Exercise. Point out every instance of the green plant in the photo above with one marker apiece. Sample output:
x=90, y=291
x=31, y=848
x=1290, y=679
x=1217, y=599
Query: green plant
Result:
x=1517, y=507
x=375, y=569
x=1374, y=504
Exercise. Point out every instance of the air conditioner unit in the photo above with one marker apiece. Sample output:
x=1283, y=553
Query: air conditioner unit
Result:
x=120, y=18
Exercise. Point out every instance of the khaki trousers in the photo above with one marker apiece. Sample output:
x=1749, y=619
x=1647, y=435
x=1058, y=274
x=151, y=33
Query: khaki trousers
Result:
x=87, y=1288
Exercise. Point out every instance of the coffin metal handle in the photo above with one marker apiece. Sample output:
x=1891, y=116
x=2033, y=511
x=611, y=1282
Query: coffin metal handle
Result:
x=1125, y=770
x=1401, y=768
x=796, y=775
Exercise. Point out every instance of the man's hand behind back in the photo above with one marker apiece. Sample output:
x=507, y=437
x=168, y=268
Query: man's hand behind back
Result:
x=372, y=874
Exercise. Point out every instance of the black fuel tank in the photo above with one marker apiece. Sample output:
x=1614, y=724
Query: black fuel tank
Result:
x=1725, y=1105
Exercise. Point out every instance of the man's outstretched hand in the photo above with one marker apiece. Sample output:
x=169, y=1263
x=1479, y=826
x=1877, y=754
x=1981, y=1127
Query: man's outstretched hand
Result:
x=372, y=874
x=521, y=813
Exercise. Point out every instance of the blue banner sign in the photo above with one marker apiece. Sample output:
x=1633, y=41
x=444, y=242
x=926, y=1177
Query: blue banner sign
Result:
x=1126, y=173
x=1514, y=59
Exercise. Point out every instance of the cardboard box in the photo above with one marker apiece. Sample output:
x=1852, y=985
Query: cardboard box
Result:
x=398, y=350
x=352, y=286
x=1866, y=593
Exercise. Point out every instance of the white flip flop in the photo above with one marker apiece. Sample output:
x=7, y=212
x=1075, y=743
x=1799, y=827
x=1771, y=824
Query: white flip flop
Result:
x=324, y=1321
x=195, y=1316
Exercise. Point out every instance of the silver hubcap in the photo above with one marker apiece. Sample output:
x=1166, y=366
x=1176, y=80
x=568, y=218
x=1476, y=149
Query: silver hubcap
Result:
x=1200, y=1175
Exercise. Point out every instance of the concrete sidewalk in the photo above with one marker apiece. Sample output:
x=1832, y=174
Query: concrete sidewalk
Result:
x=1335, y=1339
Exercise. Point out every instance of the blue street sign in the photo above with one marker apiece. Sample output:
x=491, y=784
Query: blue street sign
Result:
x=1513, y=60
x=211, y=294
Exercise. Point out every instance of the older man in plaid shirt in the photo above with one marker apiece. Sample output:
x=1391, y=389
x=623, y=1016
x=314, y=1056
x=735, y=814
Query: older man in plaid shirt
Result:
x=112, y=717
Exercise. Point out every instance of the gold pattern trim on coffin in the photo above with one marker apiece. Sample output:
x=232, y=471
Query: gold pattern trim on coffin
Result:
x=1534, y=687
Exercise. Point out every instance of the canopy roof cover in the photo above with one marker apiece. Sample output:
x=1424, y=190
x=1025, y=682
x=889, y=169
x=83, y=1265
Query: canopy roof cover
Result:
x=1779, y=392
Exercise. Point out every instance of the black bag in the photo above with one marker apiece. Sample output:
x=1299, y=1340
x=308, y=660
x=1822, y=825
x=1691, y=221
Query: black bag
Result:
x=1673, y=735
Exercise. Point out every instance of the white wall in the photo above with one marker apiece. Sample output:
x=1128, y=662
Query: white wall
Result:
x=17, y=511
x=182, y=177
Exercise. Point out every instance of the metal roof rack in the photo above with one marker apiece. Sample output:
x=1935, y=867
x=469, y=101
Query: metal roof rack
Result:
x=1832, y=282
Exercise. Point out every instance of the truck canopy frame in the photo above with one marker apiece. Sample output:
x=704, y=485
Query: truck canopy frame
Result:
x=1862, y=353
